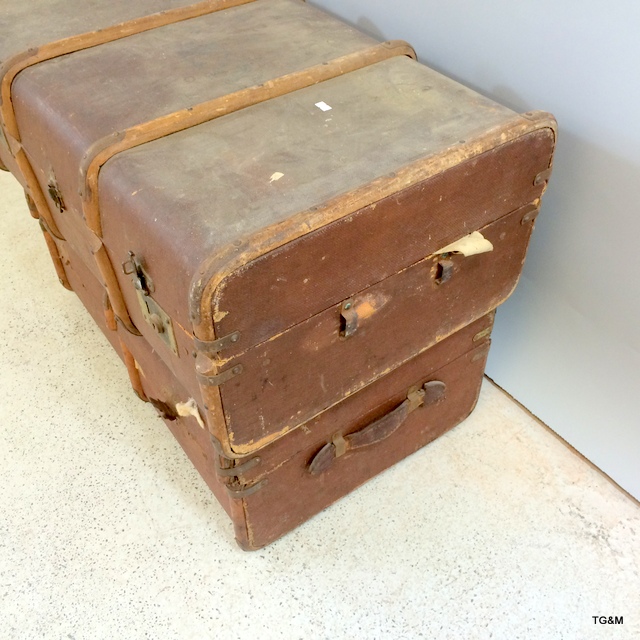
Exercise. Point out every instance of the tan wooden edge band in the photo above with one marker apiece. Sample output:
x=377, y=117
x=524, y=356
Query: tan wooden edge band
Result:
x=132, y=370
x=184, y=119
x=93, y=39
x=55, y=255
x=33, y=188
x=103, y=150
x=9, y=125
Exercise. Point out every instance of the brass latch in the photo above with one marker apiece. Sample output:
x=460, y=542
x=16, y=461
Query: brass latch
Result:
x=141, y=280
x=153, y=313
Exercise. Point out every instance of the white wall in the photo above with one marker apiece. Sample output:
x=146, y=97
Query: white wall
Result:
x=567, y=344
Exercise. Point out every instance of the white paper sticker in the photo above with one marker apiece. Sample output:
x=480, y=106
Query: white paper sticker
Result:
x=190, y=409
x=323, y=106
x=470, y=245
x=276, y=176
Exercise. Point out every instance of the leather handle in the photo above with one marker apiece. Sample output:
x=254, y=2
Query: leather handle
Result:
x=383, y=427
x=378, y=430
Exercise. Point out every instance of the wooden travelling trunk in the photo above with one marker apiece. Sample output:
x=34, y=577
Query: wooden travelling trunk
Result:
x=293, y=235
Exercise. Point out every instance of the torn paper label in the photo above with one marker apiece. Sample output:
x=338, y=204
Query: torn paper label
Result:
x=323, y=106
x=189, y=409
x=470, y=245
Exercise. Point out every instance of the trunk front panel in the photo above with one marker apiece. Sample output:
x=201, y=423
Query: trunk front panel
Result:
x=289, y=379
x=307, y=276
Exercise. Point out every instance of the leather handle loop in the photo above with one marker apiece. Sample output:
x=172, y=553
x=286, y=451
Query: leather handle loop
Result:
x=383, y=427
x=378, y=430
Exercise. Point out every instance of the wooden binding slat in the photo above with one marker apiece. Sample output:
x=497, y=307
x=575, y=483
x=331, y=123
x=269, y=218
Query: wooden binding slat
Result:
x=184, y=119
x=9, y=124
x=103, y=150
x=55, y=256
x=133, y=371
x=33, y=188
x=19, y=63
x=112, y=287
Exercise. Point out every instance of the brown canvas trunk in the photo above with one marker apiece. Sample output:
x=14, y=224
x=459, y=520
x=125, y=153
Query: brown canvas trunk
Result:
x=285, y=228
x=283, y=492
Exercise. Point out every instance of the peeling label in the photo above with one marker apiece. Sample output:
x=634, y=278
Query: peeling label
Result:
x=470, y=245
x=190, y=409
x=218, y=316
x=323, y=106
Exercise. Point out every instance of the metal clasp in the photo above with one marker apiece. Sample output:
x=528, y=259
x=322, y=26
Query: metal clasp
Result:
x=444, y=269
x=153, y=313
x=348, y=319
x=141, y=280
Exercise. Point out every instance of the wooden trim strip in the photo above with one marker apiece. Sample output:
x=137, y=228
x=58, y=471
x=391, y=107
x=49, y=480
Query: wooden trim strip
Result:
x=110, y=146
x=33, y=189
x=9, y=124
x=19, y=63
x=55, y=256
x=112, y=286
x=133, y=371
x=10, y=70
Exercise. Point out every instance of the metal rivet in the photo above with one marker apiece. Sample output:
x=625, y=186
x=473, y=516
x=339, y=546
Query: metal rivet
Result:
x=237, y=369
x=235, y=337
x=347, y=305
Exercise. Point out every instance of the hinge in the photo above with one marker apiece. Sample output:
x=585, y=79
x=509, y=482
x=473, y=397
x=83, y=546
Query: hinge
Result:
x=529, y=214
x=482, y=334
x=212, y=347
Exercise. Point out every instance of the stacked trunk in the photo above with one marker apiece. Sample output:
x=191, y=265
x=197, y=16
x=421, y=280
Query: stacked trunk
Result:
x=294, y=236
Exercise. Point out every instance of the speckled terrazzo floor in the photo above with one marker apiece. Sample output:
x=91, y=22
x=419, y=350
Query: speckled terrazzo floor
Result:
x=496, y=530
